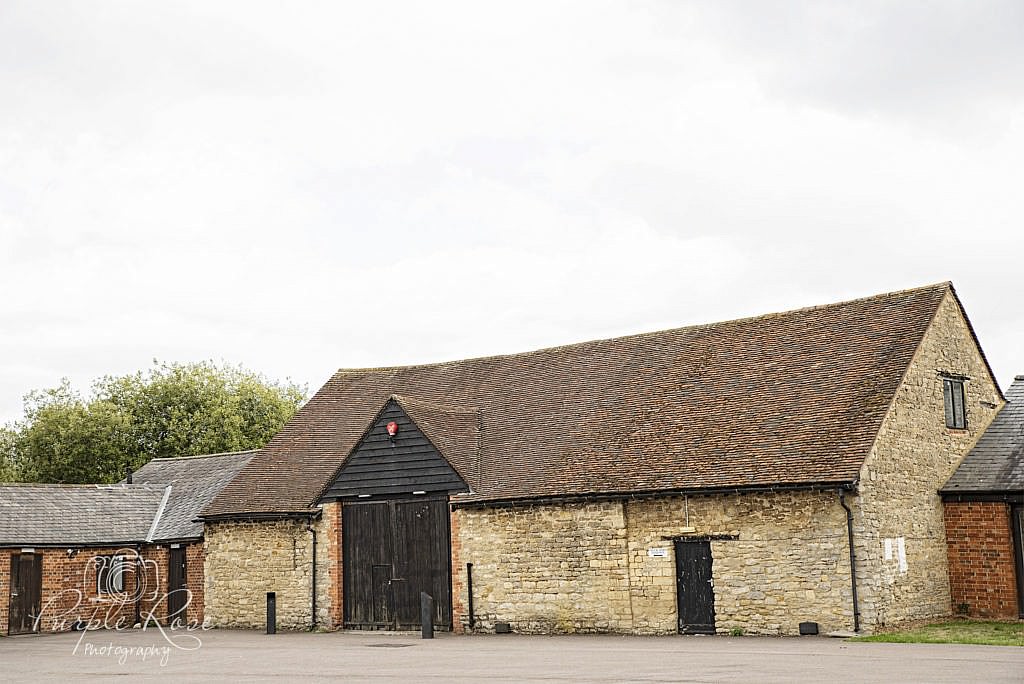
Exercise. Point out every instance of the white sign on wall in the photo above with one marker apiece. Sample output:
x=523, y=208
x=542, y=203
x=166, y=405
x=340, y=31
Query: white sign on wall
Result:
x=657, y=553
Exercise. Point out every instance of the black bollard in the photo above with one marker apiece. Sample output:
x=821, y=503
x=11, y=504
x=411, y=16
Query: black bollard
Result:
x=427, y=614
x=271, y=612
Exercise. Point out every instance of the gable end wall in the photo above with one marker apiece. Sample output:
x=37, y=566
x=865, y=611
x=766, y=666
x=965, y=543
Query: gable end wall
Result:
x=913, y=456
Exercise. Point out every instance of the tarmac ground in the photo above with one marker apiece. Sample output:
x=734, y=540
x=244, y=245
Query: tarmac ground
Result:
x=234, y=655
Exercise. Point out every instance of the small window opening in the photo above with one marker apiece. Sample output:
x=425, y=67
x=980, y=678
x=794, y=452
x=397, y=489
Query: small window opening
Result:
x=953, y=396
x=110, y=574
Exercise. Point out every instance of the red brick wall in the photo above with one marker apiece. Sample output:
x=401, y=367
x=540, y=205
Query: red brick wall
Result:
x=157, y=581
x=458, y=606
x=69, y=590
x=5, y=588
x=982, y=576
x=153, y=598
x=332, y=518
x=195, y=559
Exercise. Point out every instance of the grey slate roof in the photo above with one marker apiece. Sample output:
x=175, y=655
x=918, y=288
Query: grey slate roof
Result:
x=194, y=481
x=40, y=514
x=161, y=504
x=996, y=463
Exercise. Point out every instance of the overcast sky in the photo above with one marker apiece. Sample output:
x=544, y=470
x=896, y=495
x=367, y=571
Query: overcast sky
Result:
x=300, y=187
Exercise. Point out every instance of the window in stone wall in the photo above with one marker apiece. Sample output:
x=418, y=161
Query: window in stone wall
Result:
x=953, y=396
x=110, y=574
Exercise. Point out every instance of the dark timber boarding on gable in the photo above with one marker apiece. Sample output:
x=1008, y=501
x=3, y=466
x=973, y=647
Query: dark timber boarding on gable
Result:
x=384, y=467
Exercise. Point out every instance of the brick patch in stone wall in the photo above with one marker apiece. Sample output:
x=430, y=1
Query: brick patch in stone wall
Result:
x=981, y=564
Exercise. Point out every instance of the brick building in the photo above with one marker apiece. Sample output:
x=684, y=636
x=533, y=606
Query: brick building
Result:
x=984, y=510
x=108, y=555
x=752, y=474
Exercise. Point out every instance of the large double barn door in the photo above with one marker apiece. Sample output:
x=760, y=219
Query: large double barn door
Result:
x=26, y=593
x=393, y=550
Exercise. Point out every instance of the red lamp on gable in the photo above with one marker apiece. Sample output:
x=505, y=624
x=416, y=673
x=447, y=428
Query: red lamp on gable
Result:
x=392, y=429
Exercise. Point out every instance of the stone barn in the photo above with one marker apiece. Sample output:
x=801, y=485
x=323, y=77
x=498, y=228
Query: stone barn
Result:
x=747, y=475
x=108, y=555
x=984, y=506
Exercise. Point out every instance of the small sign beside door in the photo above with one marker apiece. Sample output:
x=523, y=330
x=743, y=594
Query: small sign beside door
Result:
x=657, y=553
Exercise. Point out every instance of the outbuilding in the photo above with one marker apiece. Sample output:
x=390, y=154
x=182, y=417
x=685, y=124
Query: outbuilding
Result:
x=984, y=509
x=108, y=555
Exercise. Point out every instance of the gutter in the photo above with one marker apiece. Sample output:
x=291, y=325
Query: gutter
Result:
x=273, y=515
x=988, y=496
x=653, y=493
x=67, y=544
x=853, y=560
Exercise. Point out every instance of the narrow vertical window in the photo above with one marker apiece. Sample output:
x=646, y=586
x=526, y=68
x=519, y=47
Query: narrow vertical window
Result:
x=110, y=574
x=953, y=396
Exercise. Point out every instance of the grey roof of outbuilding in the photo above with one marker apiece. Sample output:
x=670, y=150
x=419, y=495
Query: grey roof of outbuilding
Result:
x=194, y=481
x=996, y=463
x=42, y=514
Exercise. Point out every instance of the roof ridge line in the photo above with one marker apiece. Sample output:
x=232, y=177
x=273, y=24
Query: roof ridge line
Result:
x=80, y=485
x=186, y=458
x=695, y=326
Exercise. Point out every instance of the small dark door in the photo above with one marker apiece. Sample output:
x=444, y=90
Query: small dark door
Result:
x=26, y=593
x=177, y=590
x=381, y=612
x=695, y=591
x=392, y=551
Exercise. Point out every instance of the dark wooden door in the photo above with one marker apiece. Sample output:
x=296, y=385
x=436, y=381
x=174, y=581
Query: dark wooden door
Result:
x=393, y=550
x=695, y=591
x=26, y=593
x=177, y=586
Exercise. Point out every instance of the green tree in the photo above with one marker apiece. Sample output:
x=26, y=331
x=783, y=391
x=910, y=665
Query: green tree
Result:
x=8, y=456
x=168, y=411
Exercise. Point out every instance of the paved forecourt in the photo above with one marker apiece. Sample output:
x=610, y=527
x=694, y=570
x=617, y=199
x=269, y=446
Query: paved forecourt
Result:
x=220, y=655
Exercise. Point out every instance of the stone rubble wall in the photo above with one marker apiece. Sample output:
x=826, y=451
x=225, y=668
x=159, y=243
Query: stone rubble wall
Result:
x=913, y=456
x=546, y=569
x=610, y=566
x=247, y=559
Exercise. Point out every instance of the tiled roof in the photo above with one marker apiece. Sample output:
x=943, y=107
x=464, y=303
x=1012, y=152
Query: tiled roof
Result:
x=996, y=463
x=40, y=514
x=455, y=431
x=195, y=481
x=793, y=398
